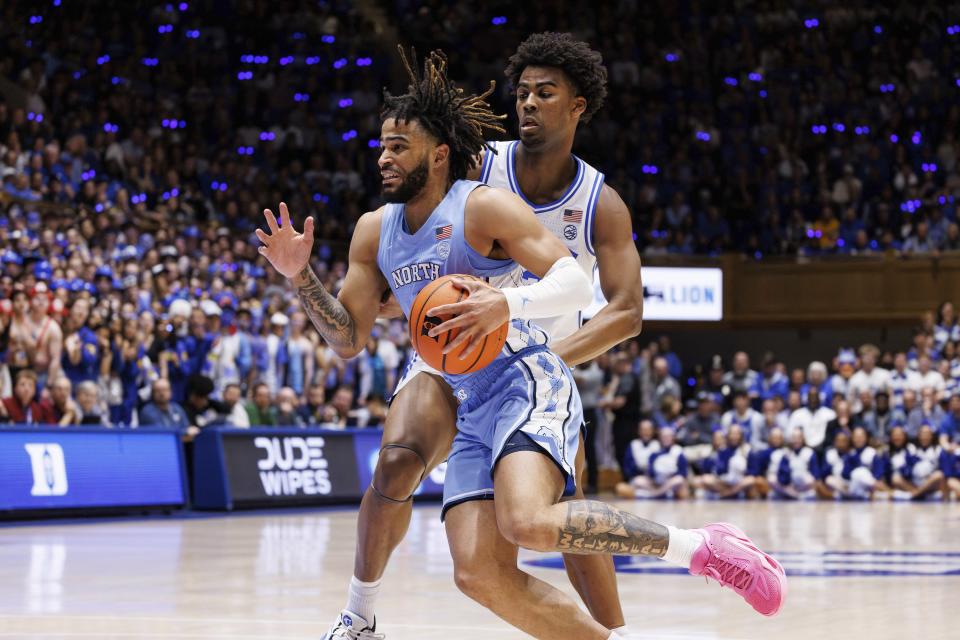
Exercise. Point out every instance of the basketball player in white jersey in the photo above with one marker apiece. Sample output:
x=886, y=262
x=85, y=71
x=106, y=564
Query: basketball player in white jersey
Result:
x=559, y=83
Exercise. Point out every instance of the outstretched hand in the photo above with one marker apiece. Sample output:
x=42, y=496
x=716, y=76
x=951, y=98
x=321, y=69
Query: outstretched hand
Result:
x=286, y=249
x=477, y=316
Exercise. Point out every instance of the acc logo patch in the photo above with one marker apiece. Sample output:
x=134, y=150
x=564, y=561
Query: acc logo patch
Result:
x=443, y=250
x=570, y=232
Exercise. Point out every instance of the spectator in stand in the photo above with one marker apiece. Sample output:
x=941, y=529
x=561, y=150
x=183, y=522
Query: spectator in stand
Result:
x=65, y=411
x=928, y=412
x=25, y=407
x=674, y=364
x=947, y=329
x=666, y=472
x=314, y=411
x=46, y=335
x=229, y=354
x=726, y=475
x=286, y=408
x=373, y=371
x=340, y=414
x=276, y=353
x=794, y=470
x=870, y=378
x=844, y=420
x=300, y=350
x=625, y=404
x=234, y=411
x=902, y=379
x=589, y=379
x=773, y=418
x=862, y=469
x=202, y=410
x=373, y=413
x=696, y=434
x=742, y=377
x=817, y=380
x=260, y=410
x=91, y=407
x=920, y=242
x=636, y=462
x=715, y=384
x=949, y=428
x=840, y=381
x=80, y=351
x=812, y=420
x=879, y=418
x=794, y=402
x=929, y=377
x=773, y=382
x=670, y=414
x=162, y=411
x=743, y=415
x=759, y=464
x=916, y=471
x=664, y=385
x=922, y=345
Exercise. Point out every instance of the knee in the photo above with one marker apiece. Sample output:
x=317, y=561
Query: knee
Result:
x=398, y=472
x=479, y=583
x=527, y=531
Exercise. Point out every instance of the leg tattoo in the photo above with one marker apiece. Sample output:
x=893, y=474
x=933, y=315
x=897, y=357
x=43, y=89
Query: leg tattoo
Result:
x=596, y=527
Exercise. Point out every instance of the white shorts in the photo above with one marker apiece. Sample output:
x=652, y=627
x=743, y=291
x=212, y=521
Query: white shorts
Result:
x=415, y=366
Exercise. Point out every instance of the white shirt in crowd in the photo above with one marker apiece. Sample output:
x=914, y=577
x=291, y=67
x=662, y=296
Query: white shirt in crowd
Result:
x=932, y=379
x=900, y=382
x=877, y=380
x=813, y=423
x=641, y=452
x=751, y=422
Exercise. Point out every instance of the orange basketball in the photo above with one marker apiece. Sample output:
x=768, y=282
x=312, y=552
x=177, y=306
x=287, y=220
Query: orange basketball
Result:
x=441, y=291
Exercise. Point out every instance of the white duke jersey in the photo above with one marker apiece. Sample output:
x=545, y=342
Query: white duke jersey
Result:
x=570, y=218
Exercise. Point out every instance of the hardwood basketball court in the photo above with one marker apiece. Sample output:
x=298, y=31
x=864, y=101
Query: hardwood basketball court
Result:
x=857, y=571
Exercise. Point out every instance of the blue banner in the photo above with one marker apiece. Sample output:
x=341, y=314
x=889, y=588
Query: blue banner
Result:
x=82, y=467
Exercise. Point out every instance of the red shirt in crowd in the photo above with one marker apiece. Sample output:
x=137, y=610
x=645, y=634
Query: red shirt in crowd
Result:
x=37, y=412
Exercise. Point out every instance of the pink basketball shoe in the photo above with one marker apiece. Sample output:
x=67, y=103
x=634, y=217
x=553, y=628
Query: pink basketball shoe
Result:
x=729, y=557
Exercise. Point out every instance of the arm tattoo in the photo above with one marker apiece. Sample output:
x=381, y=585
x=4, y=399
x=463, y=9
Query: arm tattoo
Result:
x=596, y=527
x=328, y=315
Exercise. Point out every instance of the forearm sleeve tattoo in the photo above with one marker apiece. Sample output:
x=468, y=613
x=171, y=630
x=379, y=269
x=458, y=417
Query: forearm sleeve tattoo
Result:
x=596, y=527
x=328, y=315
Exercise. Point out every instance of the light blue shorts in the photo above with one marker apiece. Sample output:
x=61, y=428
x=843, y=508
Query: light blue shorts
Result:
x=532, y=392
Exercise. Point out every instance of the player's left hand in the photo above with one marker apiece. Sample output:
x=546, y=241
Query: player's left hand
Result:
x=480, y=314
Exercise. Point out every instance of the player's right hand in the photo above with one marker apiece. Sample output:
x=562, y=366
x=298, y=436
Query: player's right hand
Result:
x=286, y=249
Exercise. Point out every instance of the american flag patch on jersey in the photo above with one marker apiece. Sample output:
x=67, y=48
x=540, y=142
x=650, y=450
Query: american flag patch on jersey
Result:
x=572, y=215
x=444, y=232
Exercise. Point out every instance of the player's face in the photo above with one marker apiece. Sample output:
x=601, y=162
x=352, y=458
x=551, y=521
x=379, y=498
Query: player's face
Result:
x=404, y=165
x=547, y=106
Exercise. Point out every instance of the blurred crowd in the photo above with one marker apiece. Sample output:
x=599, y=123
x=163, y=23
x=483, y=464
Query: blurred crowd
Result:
x=763, y=127
x=868, y=424
x=139, y=145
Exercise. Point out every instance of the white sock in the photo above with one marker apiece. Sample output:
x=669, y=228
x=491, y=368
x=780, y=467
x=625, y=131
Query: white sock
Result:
x=681, y=546
x=362, y=597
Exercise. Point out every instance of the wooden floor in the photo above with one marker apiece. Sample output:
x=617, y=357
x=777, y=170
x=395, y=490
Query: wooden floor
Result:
x=858, y=571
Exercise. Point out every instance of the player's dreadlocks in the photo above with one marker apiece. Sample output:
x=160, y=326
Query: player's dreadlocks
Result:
x=581, y=64
x=441, y=108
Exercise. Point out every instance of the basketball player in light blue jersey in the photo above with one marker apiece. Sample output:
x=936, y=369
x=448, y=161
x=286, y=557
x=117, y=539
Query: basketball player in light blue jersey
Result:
x=518, y=419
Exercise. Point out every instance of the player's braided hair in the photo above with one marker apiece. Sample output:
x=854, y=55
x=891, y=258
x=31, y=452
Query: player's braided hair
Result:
x=440, y=107
x=582, y=65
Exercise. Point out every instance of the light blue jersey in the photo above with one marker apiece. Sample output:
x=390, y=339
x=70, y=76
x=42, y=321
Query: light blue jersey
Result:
x=525, y=388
